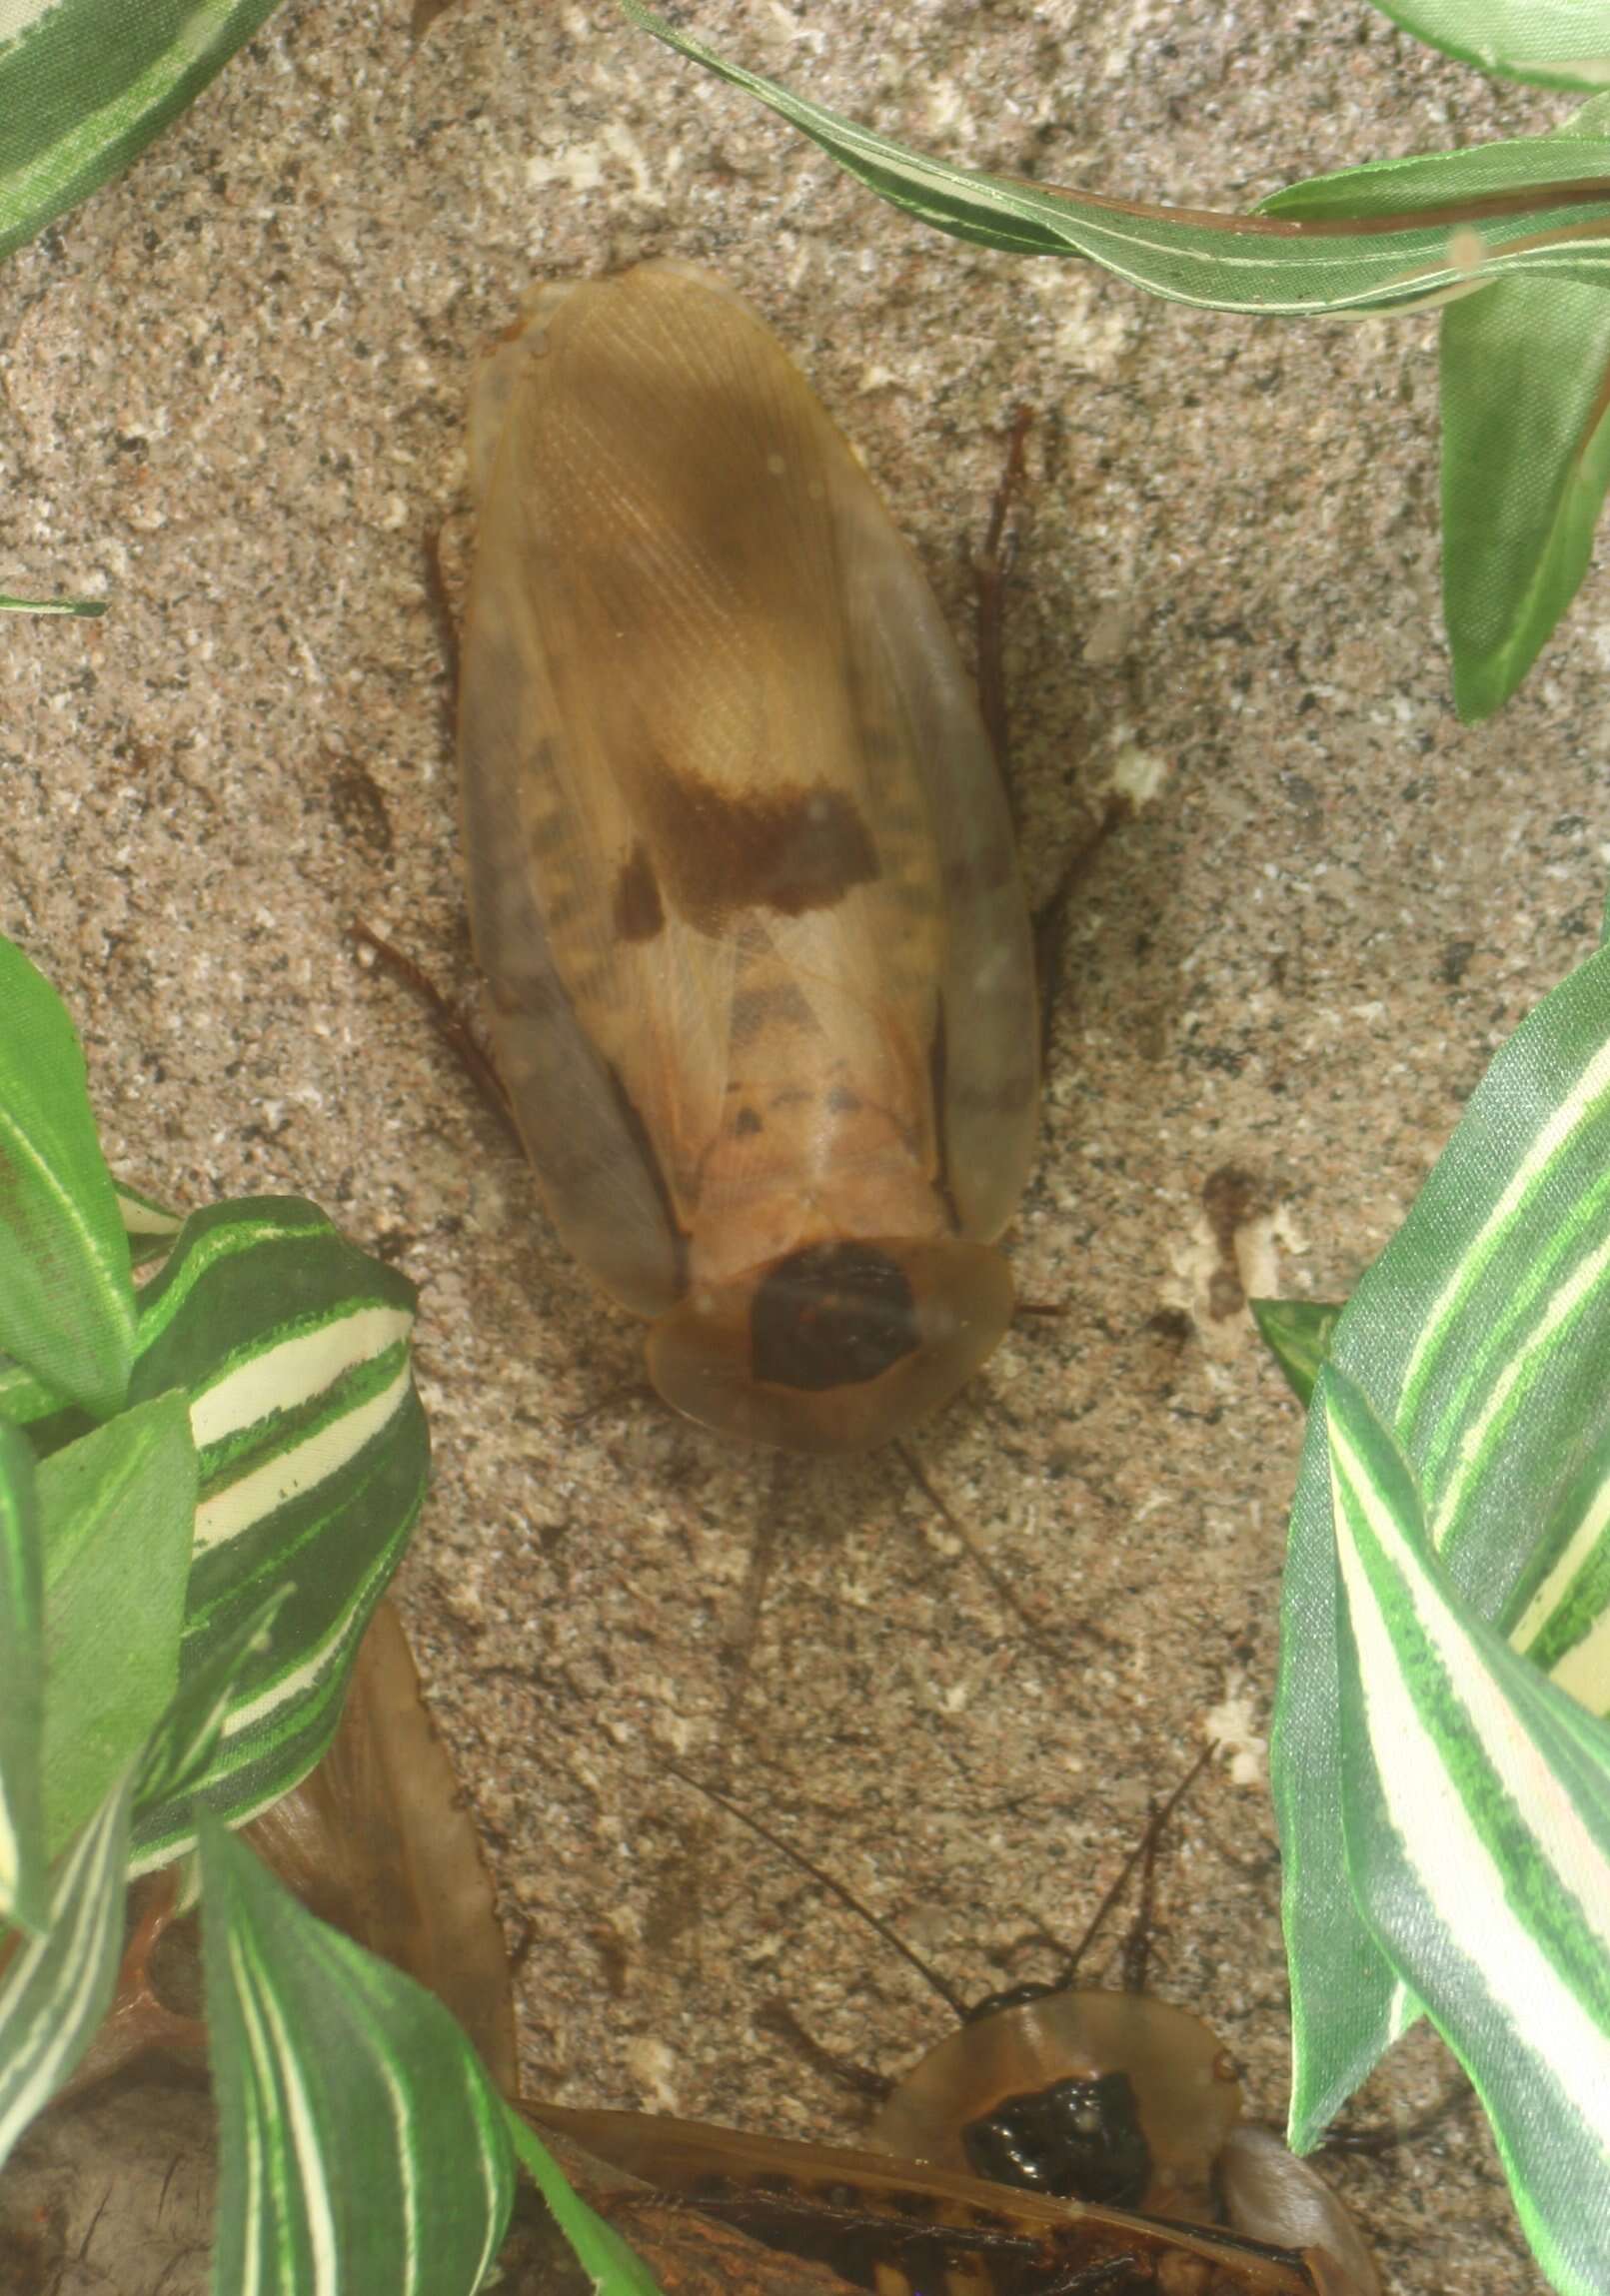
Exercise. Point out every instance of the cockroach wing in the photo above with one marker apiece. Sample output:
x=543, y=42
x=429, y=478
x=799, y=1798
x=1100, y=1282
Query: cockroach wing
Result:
x=899, y=2226
x=912, y=700
x=741, y=877
x=1271, y=2195
x=600, y=1178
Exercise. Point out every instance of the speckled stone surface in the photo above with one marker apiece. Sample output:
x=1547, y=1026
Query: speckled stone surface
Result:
x=233, y=390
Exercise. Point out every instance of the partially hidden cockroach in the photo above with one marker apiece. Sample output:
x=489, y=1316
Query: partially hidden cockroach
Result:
x=743, y=880
x=1121, y=2109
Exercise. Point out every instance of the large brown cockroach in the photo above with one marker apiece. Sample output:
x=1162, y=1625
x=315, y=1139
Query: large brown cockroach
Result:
x=741, y=871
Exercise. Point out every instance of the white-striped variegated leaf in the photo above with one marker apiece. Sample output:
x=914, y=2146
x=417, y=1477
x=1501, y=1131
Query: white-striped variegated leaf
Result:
x=1449, y=218
x=360, y=2144
x=1480, y=1338
x=24, y=1894
x=293, y=1347
x=66, y=1298
x=1476, y=1810
x=86, y=84
x=56, y=1987
x=150, y=1227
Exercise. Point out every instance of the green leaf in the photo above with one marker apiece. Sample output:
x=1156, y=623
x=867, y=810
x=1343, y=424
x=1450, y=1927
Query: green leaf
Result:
x=1557, y=43
x=1525, y=463
x=86, y=84
x=293, y=1348
x=116, y=1511
x=179, y=1749
x=1297, y=1333
x=83, y=609
x=361, y=2145
x=55, y=1989
x=66, y=1299
x=1478, y=190
x=23, y=1857
x=149, y=1226
x=1476, y=1806
x=597, y=2247
x=1515, y=207
x=1480, y=1340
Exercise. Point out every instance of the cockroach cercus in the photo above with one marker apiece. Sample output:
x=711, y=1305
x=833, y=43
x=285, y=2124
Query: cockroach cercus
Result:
x=742, y=881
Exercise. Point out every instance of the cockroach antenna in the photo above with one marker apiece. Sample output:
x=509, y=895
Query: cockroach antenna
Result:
x=824, y=1880
x=1143, y=1855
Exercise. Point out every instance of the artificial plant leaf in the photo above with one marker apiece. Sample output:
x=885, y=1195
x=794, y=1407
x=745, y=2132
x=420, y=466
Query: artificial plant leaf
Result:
x=293, y=1348
x=597, y=2247
x=150, y=1227
x=116, y=1511
x=361, y=2143
x=377, y=1840
x=66, y=1296
x=55, y=1988
x=1558, y=43
x=24, y=1861
x=1297, y=1333
x=1480, y=1338
x=1525, y=375
x=83, y=609
x=86, y=84
x=1476, y=1808
x=26, y=1400
x=1534, y=212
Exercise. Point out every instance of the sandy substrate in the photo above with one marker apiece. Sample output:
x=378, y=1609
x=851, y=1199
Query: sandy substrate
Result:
x=234, y=388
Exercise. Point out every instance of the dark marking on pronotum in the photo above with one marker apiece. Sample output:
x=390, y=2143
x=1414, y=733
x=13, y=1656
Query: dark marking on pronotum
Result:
x=639, y=912
x=746, y=1122
x=830, y=1316
x=790, y=848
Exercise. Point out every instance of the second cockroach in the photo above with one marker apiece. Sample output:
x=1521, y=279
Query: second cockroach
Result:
x=742, y=880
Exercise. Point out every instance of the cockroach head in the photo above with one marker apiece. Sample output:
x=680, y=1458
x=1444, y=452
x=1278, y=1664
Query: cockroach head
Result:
x=835, y=1347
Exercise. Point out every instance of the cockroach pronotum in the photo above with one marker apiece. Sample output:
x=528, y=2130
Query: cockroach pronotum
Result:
x=742, y=880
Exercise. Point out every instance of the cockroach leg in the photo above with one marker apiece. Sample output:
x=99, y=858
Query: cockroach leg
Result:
x=1387, y=2140
x=991, y=569
x=634, y=1391
x=1048, y=919
x=996, y=1581
x=777, y=2018
x=737, y=1652
x=451, y=1023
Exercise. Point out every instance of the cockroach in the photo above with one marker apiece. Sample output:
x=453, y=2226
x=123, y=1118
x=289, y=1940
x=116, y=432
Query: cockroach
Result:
x=742, y=881
x=1119, y=2110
